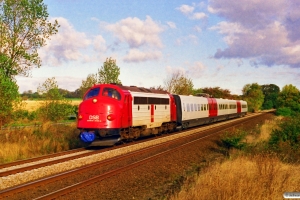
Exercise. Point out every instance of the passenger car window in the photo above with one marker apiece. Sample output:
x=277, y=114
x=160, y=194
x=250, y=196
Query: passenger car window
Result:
x=112, y=93
x=92, y=93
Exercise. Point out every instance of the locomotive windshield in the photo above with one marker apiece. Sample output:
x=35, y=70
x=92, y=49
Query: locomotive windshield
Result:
x=92, y=93
x=112, y=93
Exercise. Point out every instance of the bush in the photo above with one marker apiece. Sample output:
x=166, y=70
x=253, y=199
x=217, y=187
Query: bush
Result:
x=9, y=97
x=284, y=111
x=234, y=140
x=288, y=134
x=285, y=140
x=21, y=114
x=32, y=116
x=56, y=107
x=55, y=111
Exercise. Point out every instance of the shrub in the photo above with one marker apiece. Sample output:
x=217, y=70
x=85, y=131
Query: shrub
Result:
x=32, y=116
x=284, y=111
x=286, y=139
x=9, y=97
x=55, y=110
x=21, y=114
x=289, y=130
x=55, y=106
x=234, y=140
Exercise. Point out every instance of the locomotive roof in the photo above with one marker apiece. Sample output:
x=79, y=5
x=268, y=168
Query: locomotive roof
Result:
x=142, y=89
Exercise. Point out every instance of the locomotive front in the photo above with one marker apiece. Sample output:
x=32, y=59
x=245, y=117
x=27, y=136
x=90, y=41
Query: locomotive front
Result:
x=99, y=115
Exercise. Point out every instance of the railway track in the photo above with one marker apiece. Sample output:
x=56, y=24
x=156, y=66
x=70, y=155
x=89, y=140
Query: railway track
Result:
x=138, y=157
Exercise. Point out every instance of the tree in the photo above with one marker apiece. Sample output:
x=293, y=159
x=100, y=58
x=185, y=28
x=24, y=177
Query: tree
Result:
x=217, y=92
x=55, y=106
x=160, y=88
x=254, y=96
x=270, y=92
x=109, y=72
x=91, y=79
x=9, y=97
x=23, y=30
x=49, y=90
x=177, y=83
x=197, y=91
x=289, y=97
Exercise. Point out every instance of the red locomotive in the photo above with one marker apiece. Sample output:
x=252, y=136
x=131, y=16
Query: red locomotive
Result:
x=110, y=113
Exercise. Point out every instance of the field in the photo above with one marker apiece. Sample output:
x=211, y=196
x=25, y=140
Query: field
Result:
x=32, y=105
x=246, y=177
x=254, y=174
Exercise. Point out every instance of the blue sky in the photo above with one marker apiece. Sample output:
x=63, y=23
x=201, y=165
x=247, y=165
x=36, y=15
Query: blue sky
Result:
x=216, y=43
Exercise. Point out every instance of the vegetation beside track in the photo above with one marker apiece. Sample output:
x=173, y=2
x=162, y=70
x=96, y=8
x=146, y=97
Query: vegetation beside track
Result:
x=17, y=144
x=262, y=163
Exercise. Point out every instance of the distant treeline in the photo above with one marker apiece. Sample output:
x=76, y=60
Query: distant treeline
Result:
x=29, y=94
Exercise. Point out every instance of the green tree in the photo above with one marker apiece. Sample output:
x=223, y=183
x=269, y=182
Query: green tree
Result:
x=217, y=92
x=178, y=83
x=9, y=97
x=23, y=30
x=109, y=72
x=55, y=106
x=197, y=91
x=86, y=84
x=271, y=93
x=289, y=97
x=254, y=96
x=287, y=135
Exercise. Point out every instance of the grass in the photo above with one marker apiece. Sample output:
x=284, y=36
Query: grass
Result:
x=254, y=173
x=26, y=143
x=32, y=105
x=257, y=177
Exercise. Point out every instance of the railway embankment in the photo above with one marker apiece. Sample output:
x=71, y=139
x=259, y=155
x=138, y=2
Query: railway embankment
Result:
x=164, y=174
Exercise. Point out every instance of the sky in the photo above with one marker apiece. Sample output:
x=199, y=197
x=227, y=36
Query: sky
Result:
x=215, y=43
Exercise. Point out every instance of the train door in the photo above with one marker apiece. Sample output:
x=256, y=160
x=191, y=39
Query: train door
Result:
x=152, y=112
x=173, y=108
x=178, y=110
x=127, y=114
x=239, y=107
x=213, y=109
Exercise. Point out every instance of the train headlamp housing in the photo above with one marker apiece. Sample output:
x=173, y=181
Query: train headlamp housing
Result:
x=110, y=117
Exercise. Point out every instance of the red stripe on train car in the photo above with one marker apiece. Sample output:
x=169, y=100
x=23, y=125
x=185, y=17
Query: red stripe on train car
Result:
x=239, y=107
x=172, y=108
x=152, y=113
x=213, y=109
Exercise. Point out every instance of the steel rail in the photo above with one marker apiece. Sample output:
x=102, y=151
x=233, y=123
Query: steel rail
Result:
x=23, y=187
x=20, y=162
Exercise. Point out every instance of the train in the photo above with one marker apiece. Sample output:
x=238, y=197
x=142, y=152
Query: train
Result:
x=113, y=113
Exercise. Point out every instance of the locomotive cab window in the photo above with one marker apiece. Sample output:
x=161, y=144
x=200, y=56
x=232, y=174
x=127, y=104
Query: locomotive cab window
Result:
x=112, y=93
x=92, y=93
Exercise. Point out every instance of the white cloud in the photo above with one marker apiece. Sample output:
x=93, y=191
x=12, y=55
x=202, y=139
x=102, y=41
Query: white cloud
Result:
x=265, y=32
x=198, y=29
x=99, y=43
x=186, y=9
x=196, y=70
x=136, y=55
x=65, y=46
x=189, y=12
x=136, y=32
x=190, y=39
x=198, y=15
x=171, y=25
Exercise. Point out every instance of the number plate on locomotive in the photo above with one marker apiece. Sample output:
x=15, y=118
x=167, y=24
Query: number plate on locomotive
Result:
x=93, y=118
